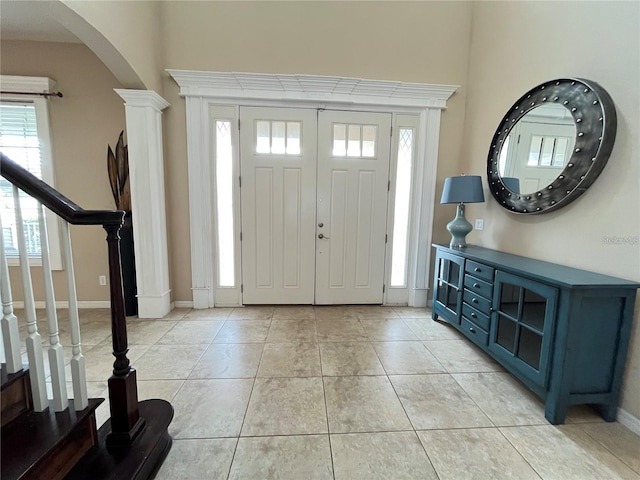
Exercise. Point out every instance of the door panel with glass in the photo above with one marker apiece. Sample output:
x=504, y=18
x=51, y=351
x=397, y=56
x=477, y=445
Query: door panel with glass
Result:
x=278, y=194
x=521, y=326
x=448, y=287
x=353, y=175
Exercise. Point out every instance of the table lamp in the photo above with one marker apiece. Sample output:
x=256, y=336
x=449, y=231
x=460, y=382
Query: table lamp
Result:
x=461, y=190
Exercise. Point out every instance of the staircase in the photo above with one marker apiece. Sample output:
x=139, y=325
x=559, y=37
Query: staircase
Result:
x=39, y=445
x=46, y=435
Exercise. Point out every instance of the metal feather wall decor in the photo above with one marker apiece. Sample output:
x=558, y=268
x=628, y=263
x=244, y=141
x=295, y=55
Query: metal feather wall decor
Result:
x=118, y=169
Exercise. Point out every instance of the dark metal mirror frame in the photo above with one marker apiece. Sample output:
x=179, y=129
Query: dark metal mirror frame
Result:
x=594, y=115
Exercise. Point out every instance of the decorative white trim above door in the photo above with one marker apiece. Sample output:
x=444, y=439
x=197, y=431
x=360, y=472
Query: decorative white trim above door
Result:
x=205, y=91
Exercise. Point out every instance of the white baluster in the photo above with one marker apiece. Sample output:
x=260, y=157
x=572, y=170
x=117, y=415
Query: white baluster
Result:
x=78, y=367
x=33, y=341
x=56, y=352
x=10, y=334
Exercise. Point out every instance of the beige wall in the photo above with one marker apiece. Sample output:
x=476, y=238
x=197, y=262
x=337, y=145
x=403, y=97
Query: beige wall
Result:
x=132, y=27
x=518, y=45
x=409, y=41
x=88, y=118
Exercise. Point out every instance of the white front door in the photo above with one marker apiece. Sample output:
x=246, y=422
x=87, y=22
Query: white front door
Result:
x=278, y=195
x=287, y=257
x=353, y=175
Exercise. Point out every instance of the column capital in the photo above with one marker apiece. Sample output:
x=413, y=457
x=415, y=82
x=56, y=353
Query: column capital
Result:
x=142, y=98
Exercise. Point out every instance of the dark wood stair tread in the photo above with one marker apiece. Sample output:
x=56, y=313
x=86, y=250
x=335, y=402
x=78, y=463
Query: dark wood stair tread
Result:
x=140, y=461
x=16, y=396
x=28, y=438
x=7, y=379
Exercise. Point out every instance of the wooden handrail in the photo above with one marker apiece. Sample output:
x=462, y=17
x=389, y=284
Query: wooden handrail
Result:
x=126, y=423
x=54, y=200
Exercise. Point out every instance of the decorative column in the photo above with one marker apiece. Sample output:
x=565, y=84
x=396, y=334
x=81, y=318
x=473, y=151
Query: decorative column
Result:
x=143, y=110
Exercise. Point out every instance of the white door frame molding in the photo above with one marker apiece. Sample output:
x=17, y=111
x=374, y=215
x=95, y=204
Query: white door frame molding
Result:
x=143, y=112
x=204, y=89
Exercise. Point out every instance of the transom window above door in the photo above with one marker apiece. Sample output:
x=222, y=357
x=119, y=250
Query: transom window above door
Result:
x=357, y=141
x=278, y=137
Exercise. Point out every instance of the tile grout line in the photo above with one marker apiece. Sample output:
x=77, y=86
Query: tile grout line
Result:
x=244, y=417
x=473, y=400
x=326, y=411
x=516, y=448
x=405, y=410
x=580, y=425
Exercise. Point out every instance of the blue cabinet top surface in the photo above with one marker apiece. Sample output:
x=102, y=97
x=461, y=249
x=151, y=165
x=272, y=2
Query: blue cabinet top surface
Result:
x=537, y=269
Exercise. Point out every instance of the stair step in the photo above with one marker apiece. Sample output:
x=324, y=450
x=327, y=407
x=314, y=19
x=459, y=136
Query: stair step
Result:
x=16, y=394
x=46, y=445
x=139, y=462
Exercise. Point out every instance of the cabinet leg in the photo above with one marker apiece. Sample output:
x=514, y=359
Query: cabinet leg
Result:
x=609, y=412
x=555, y=413
x=434, y=317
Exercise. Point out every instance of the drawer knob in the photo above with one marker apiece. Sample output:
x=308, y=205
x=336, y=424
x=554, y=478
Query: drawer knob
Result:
x=473, y=315
x=472, y=330
x=474, y=300
x=477, y=269
x=476, y=285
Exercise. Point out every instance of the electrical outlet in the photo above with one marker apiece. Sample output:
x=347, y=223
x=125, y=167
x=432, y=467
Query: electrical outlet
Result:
x=102, y=279
x=479, y=224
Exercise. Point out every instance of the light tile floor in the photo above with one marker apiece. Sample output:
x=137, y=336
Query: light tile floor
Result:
x=346, y=393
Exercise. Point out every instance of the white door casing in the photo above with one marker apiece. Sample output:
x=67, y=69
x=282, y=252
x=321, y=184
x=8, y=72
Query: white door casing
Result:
x=352, y=209
x=278, y=210
x=203, y=90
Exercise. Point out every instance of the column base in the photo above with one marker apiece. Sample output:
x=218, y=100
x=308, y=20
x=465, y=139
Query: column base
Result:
x=154, y=306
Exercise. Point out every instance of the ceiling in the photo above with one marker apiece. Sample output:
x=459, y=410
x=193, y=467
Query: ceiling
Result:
x=31, y=20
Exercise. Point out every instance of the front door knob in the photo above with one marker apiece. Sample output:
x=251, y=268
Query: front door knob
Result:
x=320, y=235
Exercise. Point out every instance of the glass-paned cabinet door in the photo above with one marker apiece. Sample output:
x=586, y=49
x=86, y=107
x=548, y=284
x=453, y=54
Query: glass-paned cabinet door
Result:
x=521, y=325
x=448, y=286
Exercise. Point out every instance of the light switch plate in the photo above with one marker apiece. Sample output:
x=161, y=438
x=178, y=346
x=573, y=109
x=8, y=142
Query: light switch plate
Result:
x=479, y=224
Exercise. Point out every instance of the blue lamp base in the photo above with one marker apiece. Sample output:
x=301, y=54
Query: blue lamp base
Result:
x=459, y=228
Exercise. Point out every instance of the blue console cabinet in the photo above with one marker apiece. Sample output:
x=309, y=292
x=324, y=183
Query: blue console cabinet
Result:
x=563, y=332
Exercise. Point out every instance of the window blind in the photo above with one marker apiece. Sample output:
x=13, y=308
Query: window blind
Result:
x=19, y=141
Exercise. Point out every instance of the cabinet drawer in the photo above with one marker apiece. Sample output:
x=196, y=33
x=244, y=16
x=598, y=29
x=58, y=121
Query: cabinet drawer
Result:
x=478, y=302
x=474, y=316
x=478, y=286
x=474, y=332
x=479, y=270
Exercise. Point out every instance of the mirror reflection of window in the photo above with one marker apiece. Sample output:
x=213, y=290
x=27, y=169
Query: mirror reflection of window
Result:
x=538, y=147
x=548, y=151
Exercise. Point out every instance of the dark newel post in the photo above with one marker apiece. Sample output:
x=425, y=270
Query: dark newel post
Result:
x=126, y=422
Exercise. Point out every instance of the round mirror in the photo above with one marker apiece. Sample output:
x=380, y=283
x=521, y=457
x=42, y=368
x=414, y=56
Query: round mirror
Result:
x=551, y=145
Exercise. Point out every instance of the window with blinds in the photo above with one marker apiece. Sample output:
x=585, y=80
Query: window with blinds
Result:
x=19, y=140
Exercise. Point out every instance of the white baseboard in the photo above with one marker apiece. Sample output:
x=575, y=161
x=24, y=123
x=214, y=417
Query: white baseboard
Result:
x=182, y=304
x=629, y=421
x=65, y=304
x=418, y=297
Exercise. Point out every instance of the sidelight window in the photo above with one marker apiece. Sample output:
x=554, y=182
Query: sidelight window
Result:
x=399, y=256
x=224, y=204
